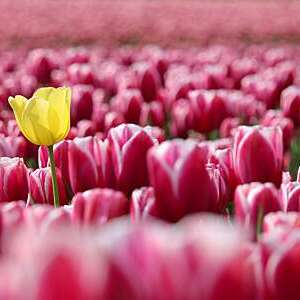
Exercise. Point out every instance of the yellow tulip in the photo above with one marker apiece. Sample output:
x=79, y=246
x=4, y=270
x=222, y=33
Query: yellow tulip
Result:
x=43, y=119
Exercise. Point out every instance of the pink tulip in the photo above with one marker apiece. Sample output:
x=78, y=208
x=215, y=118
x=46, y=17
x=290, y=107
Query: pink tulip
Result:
x=228, y=127
x=253, y=201
x=128, y=103
x=81, y=74
x=142, y=204
x=11, y=146
x=208, y=110
x=13, y=179
x=180, y=185
x=128, y=145
x=98, y=206
x=290, y=103
x=152, y=114
x=281, y=221
x=258, y=154
x=40, y=186
x=82, y=103
x=275, y=118
x=283, y=270
x=90, y=164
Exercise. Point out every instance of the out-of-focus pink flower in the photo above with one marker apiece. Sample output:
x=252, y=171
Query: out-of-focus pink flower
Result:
x=228, y=127
x=290, y=103
x=182, y=186
x=13, y=179
x=148, y=80
x=290, y=194
x=258, y=154
x=281, y=221
x=253, y=201
x=208, y=110
x=128, y=145
x=129, y=104
x=80, y=74
x=11, y=146
x=86, y=128
x=275, y=118
x=97, y=206
x=40, y=186
x=152, y=114
x=90, y=165
x=283, y=270
x=40, y=64
x=142, y=204
x=112, y=119
x=82, y=103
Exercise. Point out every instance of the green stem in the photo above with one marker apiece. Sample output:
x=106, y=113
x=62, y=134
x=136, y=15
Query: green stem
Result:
x=259, y=221
x=54, y=178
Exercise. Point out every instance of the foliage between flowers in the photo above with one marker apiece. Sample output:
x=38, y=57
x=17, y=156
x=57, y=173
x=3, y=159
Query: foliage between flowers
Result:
x=176, y=160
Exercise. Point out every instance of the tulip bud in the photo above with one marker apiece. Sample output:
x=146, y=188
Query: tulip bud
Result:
x=142, y=204
x=90, y=165
x=152, y=114
x=182, y=186
x=283, y=269
x=97, y=206
x=128, y=103
x=275, y=118
x=228, y=127
x=281, y=221
x=13, y=179
x=208, y=110
x=81, y=74
x=11, y=146
x=290, y=193
x=253, y=201
x=148, y=80
x=82, y=103
x=290, y=103
x=258, y=154
x=128, y=145
x=40, y=186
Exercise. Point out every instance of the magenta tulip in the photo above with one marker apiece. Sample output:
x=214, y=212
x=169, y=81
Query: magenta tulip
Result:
x=13, y=179
x=142, y=204
x=128, y=145
x=97, y=206
x=258, y=154
x=40, y=187
x=290, y=103
x=182, y=186
x=253, y=201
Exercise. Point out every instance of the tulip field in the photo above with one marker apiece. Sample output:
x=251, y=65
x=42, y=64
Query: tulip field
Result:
x=150, y=172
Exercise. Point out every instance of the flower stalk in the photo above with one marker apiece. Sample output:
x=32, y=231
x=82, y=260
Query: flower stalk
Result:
x=54, y=177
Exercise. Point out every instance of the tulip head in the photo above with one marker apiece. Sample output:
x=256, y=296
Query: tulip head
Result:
x=45, y=118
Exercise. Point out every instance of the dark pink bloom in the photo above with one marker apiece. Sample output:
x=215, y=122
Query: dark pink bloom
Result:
x=82, y=103
x=128, y=103
x=97, y=206
x=290, y=103
x=182, y=186
x=228, y=127
x=258, y=154
x=142, y=204
x=90, y=164
x=253, y=201
x=128, y=145
x=12, y=146
x=13, y=179
x=281, y=221
x=40, y=187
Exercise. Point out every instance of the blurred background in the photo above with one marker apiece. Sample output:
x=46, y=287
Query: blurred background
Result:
x=51, y=23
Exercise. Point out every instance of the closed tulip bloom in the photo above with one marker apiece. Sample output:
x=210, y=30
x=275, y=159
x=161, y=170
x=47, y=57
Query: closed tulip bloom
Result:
x=183, y=180
x=142, y=204
x=90, y=165
x=290, y=195
x=281, y=221
x=254, y=199
x=45, y=118
x=258, y=154
x=283, y=269
x=97, y=206
x=11, y=146
x=40, y=186
x=13, y=179
x=290, y=103
x=128, y=145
